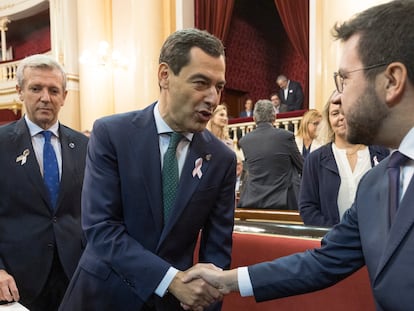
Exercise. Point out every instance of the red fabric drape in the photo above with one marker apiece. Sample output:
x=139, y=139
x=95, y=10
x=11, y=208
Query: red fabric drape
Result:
x=214, y=16
x=294, y=15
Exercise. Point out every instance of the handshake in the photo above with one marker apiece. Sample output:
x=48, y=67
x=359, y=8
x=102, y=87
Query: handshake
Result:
x=202, y=285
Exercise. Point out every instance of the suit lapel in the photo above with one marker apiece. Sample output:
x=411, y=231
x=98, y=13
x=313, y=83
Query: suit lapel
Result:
x=145, y=144
x=189, y=183
x=403, y=222
x=68, y=149
x=31, y=167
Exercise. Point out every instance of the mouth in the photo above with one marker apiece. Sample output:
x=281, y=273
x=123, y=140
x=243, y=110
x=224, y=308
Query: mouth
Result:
x=204, y=115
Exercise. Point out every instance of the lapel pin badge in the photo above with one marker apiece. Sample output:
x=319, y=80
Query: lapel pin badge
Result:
x=23, y=157
x=197, y=168
x=71, y=145
x=208, y=157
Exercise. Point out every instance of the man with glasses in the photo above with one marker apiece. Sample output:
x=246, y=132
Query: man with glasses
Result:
x=375, y=85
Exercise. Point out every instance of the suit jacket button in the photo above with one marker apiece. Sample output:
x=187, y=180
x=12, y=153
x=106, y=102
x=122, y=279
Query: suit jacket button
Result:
x=54, y=219
x=50, y=245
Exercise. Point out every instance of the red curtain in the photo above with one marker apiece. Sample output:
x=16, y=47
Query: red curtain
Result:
x=294, y=15
x=214, y=16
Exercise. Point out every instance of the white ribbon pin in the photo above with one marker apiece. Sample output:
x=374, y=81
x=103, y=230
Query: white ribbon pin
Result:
x=23, y=157
x=197, y=168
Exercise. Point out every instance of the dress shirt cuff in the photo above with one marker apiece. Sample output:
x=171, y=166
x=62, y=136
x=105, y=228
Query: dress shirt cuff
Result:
x=165, y=282
x=245, y=284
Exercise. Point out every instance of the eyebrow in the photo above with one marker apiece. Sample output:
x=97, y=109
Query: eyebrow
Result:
x=204, y=77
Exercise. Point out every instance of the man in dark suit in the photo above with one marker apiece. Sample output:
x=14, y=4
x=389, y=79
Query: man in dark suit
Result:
x=273, y=162
x=136, y=256
x=375, y=85
x=40, y=240
x=248, y=109
x=277, y=103
x=290, y=93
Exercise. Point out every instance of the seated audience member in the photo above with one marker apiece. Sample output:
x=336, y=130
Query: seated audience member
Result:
x=290, y=93
x=273, y=163
x=248, y=109
x=277, y=103
x=218, y=125
x=331, y=173
x=306, y=138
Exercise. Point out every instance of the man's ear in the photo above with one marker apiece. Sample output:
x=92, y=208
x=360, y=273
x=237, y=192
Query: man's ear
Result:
x=19, y=92
x=396, y=79
x=163, y=75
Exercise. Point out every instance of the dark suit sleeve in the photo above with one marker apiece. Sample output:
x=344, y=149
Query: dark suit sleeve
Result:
x=297, y=158
x=340, y=255
x=309, y=199
x=298, y=99
x=103, y=219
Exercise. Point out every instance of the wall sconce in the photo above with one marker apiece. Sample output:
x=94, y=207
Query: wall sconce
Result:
x=104, y=56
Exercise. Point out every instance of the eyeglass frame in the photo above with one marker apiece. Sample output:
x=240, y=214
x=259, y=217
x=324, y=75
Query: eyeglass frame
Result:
x=339, y=84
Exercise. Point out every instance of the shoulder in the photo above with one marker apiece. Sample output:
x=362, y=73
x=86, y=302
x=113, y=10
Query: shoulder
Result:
x=320, y=153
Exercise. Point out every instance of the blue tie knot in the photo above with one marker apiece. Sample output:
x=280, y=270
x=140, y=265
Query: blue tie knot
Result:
x=47, y=135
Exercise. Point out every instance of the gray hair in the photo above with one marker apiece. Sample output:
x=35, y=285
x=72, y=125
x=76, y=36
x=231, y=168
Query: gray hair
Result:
x=264, y=111
x=39, y=61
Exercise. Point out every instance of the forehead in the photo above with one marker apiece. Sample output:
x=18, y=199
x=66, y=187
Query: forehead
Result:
x=334, y=107
x=350, y=57
x=34, y=74
x=210, y=66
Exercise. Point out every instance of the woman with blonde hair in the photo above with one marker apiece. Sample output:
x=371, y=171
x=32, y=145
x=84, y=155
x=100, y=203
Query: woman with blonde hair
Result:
x=218, y=125
x=307, y=136
x=332, y=172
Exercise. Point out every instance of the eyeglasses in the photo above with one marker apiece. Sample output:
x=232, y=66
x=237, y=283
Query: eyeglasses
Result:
x=339, y=77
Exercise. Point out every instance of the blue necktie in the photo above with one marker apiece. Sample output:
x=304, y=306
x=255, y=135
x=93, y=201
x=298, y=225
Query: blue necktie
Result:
x=50, y=168
x=170, y=174
x=397, y=159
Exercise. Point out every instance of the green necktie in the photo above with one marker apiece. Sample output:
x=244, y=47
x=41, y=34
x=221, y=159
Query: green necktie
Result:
x=170, y=175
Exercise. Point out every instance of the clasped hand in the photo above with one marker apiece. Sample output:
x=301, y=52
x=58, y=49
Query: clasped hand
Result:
x=199, y=286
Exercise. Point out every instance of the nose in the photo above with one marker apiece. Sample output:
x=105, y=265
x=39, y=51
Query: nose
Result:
x=213, y=96
x=44, y=95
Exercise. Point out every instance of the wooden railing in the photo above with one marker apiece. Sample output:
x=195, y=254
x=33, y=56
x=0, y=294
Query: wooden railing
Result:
x=239, y=127
x=285, y=216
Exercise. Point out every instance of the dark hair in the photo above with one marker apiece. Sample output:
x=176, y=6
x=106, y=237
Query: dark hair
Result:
x=386, y=35
x=176, y=49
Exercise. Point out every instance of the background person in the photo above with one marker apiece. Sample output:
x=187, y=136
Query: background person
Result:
x=248, y=109
x=218, y=125
x=272, y=162
x=331, y=174
x=290, y=93
x=138, y=249
x=41, y=239
x=307, y=136
x=277, y=103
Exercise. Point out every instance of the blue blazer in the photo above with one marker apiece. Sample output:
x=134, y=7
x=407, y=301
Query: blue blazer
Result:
x=364, y=236
x=129, y=248
x=30, y=229
x=320, y=185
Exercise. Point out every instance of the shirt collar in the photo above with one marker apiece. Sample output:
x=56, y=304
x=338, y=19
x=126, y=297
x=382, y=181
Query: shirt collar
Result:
x=162, y=126
x=407, y=144
x=35, y=129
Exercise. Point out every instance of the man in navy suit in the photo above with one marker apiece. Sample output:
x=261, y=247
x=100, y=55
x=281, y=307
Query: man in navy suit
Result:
x=40, y=241
x=375, y=85
x=290, y=93
x=134, y=259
